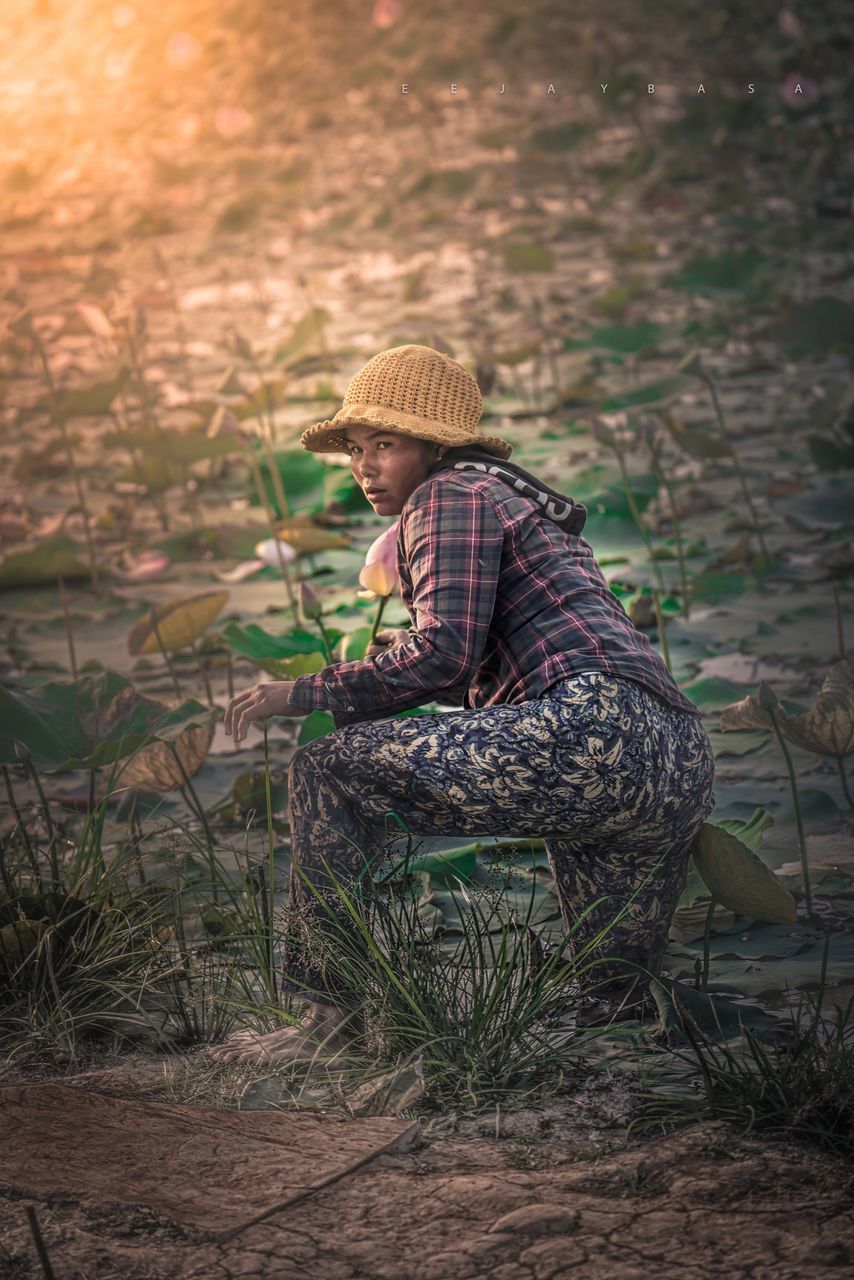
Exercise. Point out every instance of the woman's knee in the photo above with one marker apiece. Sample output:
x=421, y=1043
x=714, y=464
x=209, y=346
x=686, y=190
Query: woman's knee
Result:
x=307, y=762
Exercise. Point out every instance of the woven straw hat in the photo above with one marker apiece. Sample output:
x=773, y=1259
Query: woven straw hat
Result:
x=416, y=391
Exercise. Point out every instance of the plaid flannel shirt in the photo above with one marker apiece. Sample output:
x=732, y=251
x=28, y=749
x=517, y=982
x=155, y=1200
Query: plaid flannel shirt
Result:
x=503, y=604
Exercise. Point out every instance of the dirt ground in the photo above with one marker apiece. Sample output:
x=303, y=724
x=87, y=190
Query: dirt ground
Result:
x=547, y=1191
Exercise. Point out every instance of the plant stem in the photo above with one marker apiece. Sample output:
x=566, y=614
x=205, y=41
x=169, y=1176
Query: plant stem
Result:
x=840, y=630
x=48, y=822
x=684, y=584
x=229, y=669
x=707, y=938
x=844, y=782
x=58, y=419
x=719, y=413
x=324, y=635
x=200, y=813
x=265, y=501
x=267, y=439
x=136, y=838
x=203, y=672
x=636, y=516
x=13, y=804
x=69, y=634
x=164, y=654
x=4, y=873
x=802, y=842
x=271, y=866
x=44, y=1258
x=378, y=617
x=662, y=633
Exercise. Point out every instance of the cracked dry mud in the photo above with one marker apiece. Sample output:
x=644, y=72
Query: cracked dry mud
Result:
x=533, y=1204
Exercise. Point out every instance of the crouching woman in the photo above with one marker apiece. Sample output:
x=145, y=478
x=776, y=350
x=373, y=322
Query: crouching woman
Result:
x=570, y=726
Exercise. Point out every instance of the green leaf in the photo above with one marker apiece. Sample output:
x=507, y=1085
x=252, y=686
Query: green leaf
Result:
x=301, y=664
x=558, y=137
x=651, y=393
x=87, y=402
x=303, y=479
x=712, y=587
x=528, y=257
x=830, y=456
x=57, y=557
x=695, y=442
x=716, y=1017
x=627, y=338
x=92, y=721
x=182, y=447
x=714, y=692
x=726, y=272
x=751, y=830
x=308, y=334
x=355, y=643
x=613, y=501
x=815, y=328
x=259, y=645
x=447, y=868
x=340, y=488
x=740, y=880
x=180, y=623
x=315, y=725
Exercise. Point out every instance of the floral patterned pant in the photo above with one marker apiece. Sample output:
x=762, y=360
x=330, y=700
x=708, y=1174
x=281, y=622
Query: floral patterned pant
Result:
x=611, y=776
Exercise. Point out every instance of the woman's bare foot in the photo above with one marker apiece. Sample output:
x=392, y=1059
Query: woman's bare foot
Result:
x=319, y=1037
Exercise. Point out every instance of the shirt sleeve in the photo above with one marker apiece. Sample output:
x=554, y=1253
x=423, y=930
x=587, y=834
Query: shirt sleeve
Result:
x=453, y=541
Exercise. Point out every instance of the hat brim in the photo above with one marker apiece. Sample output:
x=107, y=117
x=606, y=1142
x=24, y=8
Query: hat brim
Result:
x=329, y=436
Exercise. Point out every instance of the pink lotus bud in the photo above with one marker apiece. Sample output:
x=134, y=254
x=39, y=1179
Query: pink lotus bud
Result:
x=380, y=569
x=309, y=603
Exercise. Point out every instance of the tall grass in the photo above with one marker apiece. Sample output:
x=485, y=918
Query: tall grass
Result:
x=801, y=1086
x=179, y=959
x=485, y=1017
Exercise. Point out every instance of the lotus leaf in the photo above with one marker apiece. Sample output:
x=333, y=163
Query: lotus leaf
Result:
x=174, y=446
x=695, y=442
x=301, y=664
x=259, y=645
x=826, y=728
x=739, y=879
x=86, y=402
x=650, y=394
x=92, y=721
x=307, y=537
x=355, y=644
x=315, y=725
x=715, y=1016
x=180, y=623
x=59, y=557
x=155, y=767
x=528, y=257
x=306, y=335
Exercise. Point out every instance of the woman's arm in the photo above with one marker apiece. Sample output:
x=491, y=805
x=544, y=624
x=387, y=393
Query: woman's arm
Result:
x=453, y=543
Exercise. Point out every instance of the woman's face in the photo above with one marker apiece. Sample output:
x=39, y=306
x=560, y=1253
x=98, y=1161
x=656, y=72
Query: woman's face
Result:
x=388, y=466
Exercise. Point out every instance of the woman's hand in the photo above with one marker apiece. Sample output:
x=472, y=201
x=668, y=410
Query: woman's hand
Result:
x=257, y=703
x=387, y=638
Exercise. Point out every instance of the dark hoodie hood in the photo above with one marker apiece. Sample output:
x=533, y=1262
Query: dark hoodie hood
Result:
x=568, y=514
